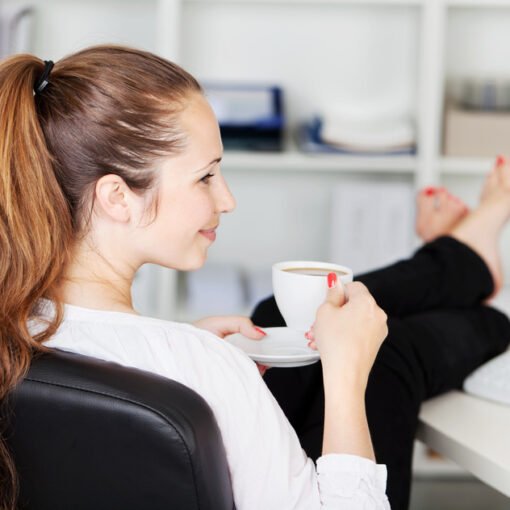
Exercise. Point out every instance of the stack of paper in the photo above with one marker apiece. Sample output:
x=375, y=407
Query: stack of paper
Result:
x=383, y=136
x=372, y=224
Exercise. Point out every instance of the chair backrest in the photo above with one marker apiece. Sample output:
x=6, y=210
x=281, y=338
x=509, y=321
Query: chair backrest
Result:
x=88, y=434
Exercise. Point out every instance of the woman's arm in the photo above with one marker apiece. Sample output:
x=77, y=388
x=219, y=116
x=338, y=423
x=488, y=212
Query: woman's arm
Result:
x=345, y=421
x=348, y=333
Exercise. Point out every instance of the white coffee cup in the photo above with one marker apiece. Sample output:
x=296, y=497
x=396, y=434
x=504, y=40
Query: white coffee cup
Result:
x=300, y=287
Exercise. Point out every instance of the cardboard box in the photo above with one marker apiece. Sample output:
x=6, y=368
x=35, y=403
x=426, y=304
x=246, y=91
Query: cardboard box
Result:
x=471, y=133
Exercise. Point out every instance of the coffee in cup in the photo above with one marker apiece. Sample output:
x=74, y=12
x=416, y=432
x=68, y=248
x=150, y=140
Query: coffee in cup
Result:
x=300, y=287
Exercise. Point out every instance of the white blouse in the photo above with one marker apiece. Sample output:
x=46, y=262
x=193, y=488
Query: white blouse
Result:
x=268, y=467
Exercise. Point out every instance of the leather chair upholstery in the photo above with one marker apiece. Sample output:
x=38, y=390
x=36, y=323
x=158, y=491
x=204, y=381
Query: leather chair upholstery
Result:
x=92, y=435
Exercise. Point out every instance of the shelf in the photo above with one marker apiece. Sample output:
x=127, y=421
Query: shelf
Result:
x=478, y=3
x=294, y=161
x=419, y=3
x=465, y=166
x=315, y=2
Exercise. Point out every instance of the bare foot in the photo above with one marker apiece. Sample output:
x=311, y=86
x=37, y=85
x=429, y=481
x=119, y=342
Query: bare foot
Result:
x=481, y=228
x=437, y=213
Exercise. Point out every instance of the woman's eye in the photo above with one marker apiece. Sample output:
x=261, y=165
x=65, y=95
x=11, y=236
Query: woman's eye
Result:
x=206, y=178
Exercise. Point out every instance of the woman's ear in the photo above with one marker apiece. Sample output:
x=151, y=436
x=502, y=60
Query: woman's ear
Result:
x=114, y=198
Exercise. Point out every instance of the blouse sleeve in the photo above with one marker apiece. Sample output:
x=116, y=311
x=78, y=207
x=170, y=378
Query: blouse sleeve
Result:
x=268, y=467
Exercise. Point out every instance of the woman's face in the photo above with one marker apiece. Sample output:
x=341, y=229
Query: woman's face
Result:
x=192, y=195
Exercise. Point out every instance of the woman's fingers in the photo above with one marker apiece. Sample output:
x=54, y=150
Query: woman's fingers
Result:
x=336, y=294
x=246, y=327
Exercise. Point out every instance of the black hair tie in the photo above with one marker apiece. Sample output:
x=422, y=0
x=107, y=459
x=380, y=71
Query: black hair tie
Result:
x=43, y=81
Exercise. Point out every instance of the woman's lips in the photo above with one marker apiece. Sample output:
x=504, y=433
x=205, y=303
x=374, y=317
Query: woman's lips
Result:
x=210, y=234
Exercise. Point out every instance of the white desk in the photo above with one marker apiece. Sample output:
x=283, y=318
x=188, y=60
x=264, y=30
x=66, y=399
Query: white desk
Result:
x=473, y=432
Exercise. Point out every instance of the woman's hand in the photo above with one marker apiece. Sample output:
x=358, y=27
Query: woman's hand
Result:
x=348, y=331
x=225, y=325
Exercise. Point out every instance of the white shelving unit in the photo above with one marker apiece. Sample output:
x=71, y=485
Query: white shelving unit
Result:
x=368, y=53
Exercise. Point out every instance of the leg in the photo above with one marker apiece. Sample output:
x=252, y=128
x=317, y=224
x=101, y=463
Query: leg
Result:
x=458, y=270
x=423, y=356
x=444, y=273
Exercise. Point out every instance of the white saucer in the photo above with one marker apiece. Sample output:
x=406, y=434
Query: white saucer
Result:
x=282, y=347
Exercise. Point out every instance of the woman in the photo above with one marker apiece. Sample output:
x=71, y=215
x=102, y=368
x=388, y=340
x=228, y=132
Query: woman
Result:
x=440, y=327
x=110, y=160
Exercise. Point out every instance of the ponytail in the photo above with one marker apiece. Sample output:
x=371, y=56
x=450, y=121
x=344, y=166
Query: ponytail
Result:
x=35, y=235
x=106, y=110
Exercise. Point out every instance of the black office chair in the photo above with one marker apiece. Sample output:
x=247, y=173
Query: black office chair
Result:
x=92, y=435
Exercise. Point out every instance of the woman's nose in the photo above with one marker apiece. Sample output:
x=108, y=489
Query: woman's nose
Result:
x=226, y=201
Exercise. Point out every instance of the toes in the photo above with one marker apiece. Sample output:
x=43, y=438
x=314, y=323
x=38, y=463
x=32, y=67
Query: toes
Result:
x=442, y=197
x=437, y=212
x=503, y=171
x=438, y=200
x=425, y=213
x=425, y=199
x=456, y=205
x=492, y=178
x=497, y=180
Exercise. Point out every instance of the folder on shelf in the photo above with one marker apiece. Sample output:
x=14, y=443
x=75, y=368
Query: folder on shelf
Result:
x=250, y=116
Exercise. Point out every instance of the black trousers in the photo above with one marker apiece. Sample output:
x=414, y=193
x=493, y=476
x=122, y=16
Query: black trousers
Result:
x=439, y=332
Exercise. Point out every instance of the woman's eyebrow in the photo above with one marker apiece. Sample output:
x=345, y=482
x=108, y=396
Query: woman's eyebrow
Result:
x=217, y=160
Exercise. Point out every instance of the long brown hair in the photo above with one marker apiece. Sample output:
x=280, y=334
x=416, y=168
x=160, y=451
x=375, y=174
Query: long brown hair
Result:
x=106, y=109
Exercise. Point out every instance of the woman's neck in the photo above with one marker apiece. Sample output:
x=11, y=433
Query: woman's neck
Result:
x=91, y=280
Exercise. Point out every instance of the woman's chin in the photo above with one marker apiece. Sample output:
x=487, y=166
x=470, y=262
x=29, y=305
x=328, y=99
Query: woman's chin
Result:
x=190, y=262
x=193, y=264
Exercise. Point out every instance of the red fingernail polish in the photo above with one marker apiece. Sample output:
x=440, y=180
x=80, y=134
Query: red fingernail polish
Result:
x=500, y=160
x=260, y=331
x=429, y=191
x=331, y=280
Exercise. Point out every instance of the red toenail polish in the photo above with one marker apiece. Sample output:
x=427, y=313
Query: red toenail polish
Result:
x=429, y=191
x=500, y=160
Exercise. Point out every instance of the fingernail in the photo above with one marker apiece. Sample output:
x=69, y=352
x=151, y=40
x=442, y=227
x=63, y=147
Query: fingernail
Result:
x=331, y=280
x=260, y=331
x=429, y=191
x=500, y=160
